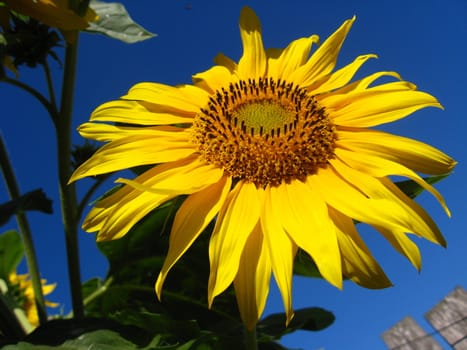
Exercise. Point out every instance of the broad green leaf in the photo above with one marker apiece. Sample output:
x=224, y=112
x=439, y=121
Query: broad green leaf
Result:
x=307, y=319
x=413, y=189
x=11, y=253
x=115, y=22
x=33, y=200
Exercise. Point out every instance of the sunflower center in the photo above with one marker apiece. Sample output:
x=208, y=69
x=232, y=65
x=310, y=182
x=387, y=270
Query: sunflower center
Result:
x=264, y=131
x=263, y=116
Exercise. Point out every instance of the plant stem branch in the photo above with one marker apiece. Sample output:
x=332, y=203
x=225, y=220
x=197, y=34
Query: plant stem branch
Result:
x=48, y=106
x=68, y=191
x=89, y=193
x=25, y=231
x=98, y=292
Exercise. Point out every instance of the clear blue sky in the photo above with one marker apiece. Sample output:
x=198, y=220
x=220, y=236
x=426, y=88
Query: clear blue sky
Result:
x=425, y=41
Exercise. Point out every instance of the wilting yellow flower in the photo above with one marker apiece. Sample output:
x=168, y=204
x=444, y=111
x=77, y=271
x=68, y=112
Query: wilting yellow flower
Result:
x=278, y=147
x=24, y=284
x=54, y=13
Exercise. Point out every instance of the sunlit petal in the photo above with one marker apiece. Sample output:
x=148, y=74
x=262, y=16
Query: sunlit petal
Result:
x=253, y=63
x=133, y=112
x=196, y=212
x=184, y=98
x=304, y=216
x=323, y=59
x=357, y=262
x=282, y=251
x=253, y=278
x=237, y=219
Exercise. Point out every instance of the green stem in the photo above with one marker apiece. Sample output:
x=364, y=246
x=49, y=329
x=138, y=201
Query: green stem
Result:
x=251, y=342
x=25, y=232
x=98, y=292
x=48, y=106
x=68, y=199
x=50, y=87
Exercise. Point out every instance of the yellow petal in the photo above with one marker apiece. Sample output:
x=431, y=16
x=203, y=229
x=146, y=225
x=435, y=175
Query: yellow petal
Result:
x=401, y=216
x=357, y=262
x=134, y=151
x=376, y=106
x=187, y=176
x=380, y=167
x=109, y=132
x=131, y=209
x=226, y=62
x=114, y=215
x=191, y=219
x=98, y=214
x=340, y=77
x=324, y=59
x=282, y=251
x=434, y=234
x=294, y=56
x=183, y=98
x=304, y=216
x=133, y=112
x=403, y=245
x=413, y=154
x=213, y=79
x=334, y=99
x=253, y=279
x=237, y=219
x=253, y=62
x=339, y=192
x=273, y=69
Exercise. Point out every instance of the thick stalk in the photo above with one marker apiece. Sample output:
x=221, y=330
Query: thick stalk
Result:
x=68, y=192
x=251, y=343
x=25, y=232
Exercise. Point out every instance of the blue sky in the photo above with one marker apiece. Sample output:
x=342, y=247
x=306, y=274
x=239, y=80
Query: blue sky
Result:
x=425, y=41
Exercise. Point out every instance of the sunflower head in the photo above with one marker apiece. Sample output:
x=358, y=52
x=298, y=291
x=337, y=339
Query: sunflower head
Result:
x=23, y=294
x=280, y=150
x=29, y=42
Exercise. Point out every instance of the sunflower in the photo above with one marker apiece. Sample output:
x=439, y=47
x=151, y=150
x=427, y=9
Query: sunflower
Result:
x=278, y=149
x=24, y=285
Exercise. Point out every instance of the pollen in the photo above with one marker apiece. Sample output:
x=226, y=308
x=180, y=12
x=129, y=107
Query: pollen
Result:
x=265, y=132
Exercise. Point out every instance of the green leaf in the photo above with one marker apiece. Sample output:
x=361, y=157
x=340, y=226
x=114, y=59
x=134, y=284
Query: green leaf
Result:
x=161, y=324
x=100, y=340
x=307, y=319
x=413, y=189
x=305, y=266
x=272, y=346
x=33, y=200
x=11, y=253
x=115, y=22
x=62, y=333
